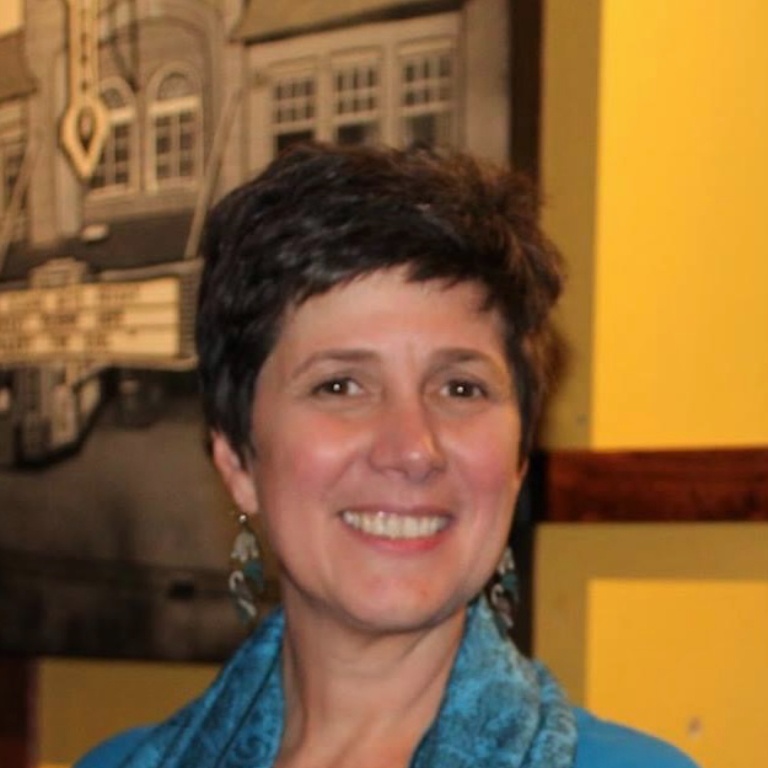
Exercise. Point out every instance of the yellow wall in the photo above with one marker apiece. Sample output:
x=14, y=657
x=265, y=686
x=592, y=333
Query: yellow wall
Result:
x=660, y=626
x=569, y=169
x=715, y=663
x=81, y=703
x=570, y=556
x=10, y=15
x=672, y=341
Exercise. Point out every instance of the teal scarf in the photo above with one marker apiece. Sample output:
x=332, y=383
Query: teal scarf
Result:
x=499, y=710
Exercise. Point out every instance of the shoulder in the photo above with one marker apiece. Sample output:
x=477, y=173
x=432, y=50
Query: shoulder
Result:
x=112, y=752
x=606, y=745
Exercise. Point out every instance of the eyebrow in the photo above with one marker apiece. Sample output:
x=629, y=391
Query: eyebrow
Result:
x=463, y=355
x=454, y=355
x=334, y=356
x=443, y=357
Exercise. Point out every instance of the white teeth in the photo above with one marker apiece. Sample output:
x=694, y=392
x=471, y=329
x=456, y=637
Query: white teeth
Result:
x=390, y=526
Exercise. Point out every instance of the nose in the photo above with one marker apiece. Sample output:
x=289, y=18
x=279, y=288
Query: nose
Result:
x=407, y=440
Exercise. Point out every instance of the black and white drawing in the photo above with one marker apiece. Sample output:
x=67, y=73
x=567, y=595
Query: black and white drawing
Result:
x=121, y=121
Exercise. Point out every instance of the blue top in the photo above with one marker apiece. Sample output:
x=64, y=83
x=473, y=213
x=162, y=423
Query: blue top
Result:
x=599, y=745
x=499, y=710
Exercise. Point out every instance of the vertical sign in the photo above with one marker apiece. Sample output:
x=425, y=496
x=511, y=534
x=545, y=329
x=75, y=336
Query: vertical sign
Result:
x=85, y=125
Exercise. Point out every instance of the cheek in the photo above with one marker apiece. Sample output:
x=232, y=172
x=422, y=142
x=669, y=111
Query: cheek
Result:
x=491, y=464
x=302, y=461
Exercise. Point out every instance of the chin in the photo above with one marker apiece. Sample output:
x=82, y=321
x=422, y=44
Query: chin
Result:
x=401, y=613
x=378, y=603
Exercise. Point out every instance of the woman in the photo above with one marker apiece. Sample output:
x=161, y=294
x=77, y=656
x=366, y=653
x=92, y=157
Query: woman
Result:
x=373, y=332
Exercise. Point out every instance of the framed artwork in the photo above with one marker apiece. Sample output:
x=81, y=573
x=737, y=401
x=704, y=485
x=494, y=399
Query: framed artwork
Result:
x=121, y=122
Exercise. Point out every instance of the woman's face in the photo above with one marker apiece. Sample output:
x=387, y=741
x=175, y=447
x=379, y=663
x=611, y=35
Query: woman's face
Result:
x=386, y=434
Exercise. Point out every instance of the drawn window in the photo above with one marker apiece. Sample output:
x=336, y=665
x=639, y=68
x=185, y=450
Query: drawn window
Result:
x=115, y=169
x=427, y=83
x=11, y=157
x=175, y=122
x=357, y=102
x=294, y=109
x=13, y=146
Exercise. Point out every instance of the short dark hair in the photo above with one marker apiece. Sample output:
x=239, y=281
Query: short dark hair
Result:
x=320, y=216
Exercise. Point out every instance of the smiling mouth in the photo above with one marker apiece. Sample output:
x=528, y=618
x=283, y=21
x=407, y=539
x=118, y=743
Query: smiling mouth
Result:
x=395, y=526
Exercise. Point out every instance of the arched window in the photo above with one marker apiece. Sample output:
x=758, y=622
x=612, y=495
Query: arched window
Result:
x=175, y=129
x=116, y=170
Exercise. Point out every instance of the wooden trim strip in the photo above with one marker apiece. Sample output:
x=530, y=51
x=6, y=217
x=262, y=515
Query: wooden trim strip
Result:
x=689, y=485
x=525, y=84
x=16, y=726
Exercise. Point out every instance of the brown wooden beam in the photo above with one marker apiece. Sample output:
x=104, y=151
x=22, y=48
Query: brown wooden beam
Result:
x=685, y=485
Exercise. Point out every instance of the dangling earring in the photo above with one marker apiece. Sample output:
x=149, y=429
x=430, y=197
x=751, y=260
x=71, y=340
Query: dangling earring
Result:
x=504, y=592
x=246, y=580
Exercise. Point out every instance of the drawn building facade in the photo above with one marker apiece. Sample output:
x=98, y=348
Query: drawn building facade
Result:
x=121, y=121
x=195, y=96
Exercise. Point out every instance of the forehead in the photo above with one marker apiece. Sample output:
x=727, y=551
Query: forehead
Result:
x=386, y=303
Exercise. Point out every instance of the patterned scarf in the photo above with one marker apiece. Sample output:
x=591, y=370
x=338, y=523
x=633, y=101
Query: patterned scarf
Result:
x=499, y=710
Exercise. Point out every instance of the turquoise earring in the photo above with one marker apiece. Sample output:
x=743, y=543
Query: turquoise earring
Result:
x=246, y=579
x=504, y=592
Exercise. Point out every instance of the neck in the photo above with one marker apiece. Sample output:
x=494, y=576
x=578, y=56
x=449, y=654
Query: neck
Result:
x=355, y=698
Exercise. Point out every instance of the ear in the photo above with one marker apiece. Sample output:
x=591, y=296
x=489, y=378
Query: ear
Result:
x=236, y=477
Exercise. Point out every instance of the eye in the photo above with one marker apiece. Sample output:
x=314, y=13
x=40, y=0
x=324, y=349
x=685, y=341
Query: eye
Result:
x=337, y=387
x=464, y=389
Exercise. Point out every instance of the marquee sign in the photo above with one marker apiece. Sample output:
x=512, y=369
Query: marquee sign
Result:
x=110, y=323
